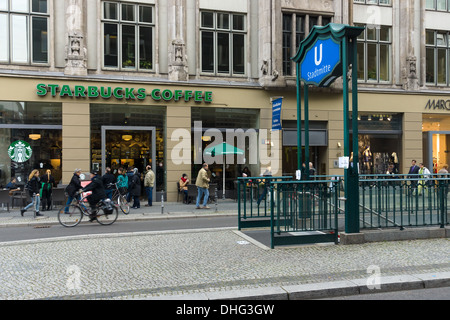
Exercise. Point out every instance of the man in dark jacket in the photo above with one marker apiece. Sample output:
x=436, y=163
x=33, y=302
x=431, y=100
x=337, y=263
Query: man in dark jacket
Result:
x=414, y=170
x=135, y=188
x=108, y=179
x=98, y=193
x=72, y=188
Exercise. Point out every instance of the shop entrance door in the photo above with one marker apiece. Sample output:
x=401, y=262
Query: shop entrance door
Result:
x=129, y=147
x=436, y=149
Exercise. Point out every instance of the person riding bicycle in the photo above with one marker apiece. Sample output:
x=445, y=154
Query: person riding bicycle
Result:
x=98, y=193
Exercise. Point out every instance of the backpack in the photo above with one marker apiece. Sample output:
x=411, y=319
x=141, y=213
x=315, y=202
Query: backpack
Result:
x=28, y=186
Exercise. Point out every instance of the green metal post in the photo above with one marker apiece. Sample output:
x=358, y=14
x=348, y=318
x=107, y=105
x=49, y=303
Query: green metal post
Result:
x=239, y=203
x=299, y=119
x=353, y=224
x=272, y=218
x=306, y=171
x=346, y=133
x=351, y=174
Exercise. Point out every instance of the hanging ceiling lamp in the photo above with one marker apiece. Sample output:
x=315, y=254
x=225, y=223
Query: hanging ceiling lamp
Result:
x=34, y=136
x=127, y=137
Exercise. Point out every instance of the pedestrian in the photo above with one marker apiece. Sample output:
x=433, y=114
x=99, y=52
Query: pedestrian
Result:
x=130, y=173
x=444, y=170
x=97, y=194
x=108, y=180
x=312, y=170
x=33, y=187
x=134, y=188
x=184, y=181
x=122, y=181
x=246, y=172
x=264, y=184
x=47, y=182
x=443, y=184
x=149, y=183
x=413, y=170
x=390, y=170
x=72, y=188
x=424, y=175
x=202, y=184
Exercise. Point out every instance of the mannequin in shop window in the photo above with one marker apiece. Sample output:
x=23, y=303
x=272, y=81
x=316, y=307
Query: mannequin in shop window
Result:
x=367, y=159
x=394, y=161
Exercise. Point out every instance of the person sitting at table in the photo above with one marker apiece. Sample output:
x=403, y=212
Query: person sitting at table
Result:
x=184, y=181
x=12, y=186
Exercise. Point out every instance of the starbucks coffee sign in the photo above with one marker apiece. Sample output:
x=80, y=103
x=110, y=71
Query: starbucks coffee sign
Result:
x=20, y=151
x=123, y=93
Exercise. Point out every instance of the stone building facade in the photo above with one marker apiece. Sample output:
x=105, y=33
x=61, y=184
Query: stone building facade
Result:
x=85, y=75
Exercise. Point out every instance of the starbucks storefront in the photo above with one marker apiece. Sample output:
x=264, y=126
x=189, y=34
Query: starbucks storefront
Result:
x=31, y=138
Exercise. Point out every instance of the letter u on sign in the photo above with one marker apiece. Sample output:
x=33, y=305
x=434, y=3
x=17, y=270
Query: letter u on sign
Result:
x=318, y=61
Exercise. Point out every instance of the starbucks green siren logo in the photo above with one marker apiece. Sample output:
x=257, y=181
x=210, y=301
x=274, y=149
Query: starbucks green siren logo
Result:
x=20, y=151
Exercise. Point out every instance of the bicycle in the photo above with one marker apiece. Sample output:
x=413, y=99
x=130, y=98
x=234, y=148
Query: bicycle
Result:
x=120, y=199
x=107, y=212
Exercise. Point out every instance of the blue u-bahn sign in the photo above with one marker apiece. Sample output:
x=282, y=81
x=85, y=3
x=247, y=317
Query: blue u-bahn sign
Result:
x=321, y=64
x=319, y=56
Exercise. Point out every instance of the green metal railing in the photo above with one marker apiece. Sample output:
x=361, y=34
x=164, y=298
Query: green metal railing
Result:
x=385, y=201
x=403, y=201
x=253, y=201
x=304, y=211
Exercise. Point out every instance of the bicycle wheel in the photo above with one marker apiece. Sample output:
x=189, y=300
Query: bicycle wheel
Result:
x=72, y=217
x=107, y=219
x=123, y=204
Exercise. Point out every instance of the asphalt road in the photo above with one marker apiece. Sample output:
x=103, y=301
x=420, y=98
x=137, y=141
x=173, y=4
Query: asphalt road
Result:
x=55, y=231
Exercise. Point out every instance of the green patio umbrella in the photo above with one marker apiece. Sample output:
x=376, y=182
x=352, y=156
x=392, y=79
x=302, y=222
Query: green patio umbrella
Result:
x=223, y=149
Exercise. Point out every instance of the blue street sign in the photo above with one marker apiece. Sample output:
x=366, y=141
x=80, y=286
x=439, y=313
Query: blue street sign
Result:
x=276, y=114
x=321, y=64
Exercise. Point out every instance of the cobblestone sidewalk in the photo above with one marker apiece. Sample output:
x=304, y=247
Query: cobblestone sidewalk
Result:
x=155, y=264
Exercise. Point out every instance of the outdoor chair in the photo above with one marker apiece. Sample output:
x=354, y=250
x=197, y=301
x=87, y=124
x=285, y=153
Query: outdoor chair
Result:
x=58, y=196
x=192, y=192
x=180, y=192
x=5, y=198
x=20, y=196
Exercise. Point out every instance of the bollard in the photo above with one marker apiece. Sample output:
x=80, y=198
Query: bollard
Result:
x=162, y=202
x=215, y=198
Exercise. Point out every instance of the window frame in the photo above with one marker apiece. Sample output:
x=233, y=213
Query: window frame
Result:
x=436, y=47
x=294, y=32
x=29, y=15
x=435, y=6
x=231, y=32
x=137, y=24
x=363, y=38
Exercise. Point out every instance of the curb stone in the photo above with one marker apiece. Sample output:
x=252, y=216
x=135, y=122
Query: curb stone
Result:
x=321, y=290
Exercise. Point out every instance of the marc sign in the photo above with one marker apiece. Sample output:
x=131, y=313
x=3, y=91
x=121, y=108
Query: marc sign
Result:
x=438, y=105
x=321, y=63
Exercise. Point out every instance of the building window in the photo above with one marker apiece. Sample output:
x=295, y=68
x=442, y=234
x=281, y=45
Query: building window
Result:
x=128, y=31
x=440, y=5
x=38, y=125
x=24, y=31
x=377, y=2
x=374, y=54
x=437, y=57
x=295, y=29
x=223, y=43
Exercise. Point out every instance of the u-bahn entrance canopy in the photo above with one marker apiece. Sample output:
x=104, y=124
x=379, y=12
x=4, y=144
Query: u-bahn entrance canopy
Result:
x=324, y=56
